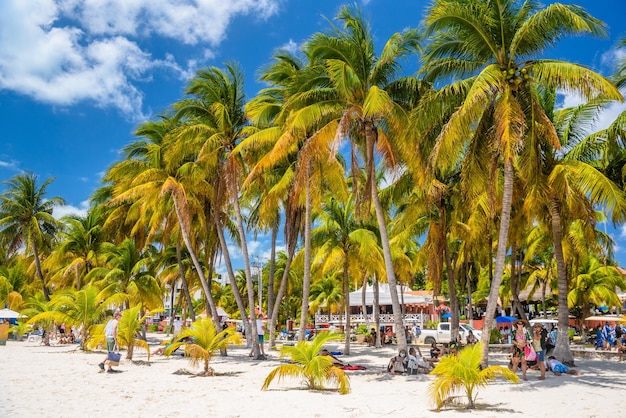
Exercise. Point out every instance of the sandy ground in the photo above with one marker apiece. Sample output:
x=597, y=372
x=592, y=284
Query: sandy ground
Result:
x=62, y=381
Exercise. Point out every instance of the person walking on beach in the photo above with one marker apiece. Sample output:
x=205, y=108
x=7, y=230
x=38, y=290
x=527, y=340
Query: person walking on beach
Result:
x=539, y=344
x=521, y=338
x=110, y=332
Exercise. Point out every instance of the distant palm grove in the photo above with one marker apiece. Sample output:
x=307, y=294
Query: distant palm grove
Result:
x=466, y=178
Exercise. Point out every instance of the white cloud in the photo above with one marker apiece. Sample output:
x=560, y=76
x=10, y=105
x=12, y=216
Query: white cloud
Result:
x=291, y=47
x=67, y=51
x=60, y=211
x=605, y=117
x=11, y=165
x=614, y=57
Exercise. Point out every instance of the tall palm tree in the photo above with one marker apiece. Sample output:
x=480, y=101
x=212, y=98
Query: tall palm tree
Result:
x=155, y=169
x=217, y=123
x=300, y=149
x=342, y=242
x=365, y=89
x=563, y=188
x=497, y=43
x=26, y=219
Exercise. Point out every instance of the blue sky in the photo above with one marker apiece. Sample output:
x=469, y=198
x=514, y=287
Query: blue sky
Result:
x=78, y=76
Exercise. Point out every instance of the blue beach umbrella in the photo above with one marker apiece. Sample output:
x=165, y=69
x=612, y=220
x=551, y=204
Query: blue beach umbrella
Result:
x=505, y=319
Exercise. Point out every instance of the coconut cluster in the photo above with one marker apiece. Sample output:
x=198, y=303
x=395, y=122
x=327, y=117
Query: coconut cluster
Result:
x=516, y=77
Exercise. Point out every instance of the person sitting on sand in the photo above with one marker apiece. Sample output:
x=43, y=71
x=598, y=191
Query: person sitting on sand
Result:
x=416, y=363
x=435, y=352
x=336, y=361
x=559, y=368
x=398, y=364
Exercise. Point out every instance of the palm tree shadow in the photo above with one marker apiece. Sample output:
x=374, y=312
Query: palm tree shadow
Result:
x=187, y=372
x=459, y=406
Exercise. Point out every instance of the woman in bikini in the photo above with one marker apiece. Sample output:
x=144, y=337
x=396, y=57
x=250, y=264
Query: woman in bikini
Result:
x=520, y=339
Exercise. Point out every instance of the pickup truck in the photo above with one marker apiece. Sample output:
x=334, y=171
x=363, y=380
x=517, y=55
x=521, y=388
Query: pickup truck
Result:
x=442, y=333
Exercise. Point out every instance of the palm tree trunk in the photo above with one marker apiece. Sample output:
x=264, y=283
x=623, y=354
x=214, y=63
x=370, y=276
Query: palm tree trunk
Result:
x=346, y=298
x=561, y=350
x=291, y=250
x=270, y=280
x=515, y=282
x=505, y=219
x=184, y=283
x=450, y=273
x=46, y=292
x=306, y=282
x=376, y=310
x=187, y=240
x=231, y=275
x=249, y=282
x=454, y=301
x=470, y=307
x=384, y=238
x=364, y=302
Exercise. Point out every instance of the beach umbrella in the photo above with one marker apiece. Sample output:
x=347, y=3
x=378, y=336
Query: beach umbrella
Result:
x=9, y=314
x=505, y=319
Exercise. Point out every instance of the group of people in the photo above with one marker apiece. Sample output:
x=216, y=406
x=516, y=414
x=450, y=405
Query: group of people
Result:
x=609, y=336
x=529, y=346
x=414, y=362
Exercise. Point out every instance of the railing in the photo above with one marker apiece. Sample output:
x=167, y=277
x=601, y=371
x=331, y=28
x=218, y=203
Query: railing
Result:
x=360, y=318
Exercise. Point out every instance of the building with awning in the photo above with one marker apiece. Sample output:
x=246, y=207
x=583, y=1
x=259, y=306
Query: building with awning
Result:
x=418, y=306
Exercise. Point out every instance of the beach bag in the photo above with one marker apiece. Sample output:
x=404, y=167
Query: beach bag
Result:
x=114, y=357
x=529, y=353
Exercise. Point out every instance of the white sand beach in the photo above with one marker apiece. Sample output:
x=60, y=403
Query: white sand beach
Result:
x=62, y=381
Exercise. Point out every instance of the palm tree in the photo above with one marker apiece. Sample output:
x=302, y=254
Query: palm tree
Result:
x=325, y=293
x=365, y=90
x=15, y=284
x=343, y=242
x=81, y=242
x=206, y=342
x=463, y=372
x=26, y=219
x=300, y=149
x=497, y=43
x=81, y=308
x=307, y=365
x=153, y=169
x=129, y=271
x=217, y=123
x=594, y=283
x=129, y=325
x=563, y=186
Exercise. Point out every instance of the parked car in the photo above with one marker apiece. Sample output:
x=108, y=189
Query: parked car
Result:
x=442, y=333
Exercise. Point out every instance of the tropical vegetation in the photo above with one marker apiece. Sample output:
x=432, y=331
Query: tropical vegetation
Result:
x=307, y=365
x=202, y=341
x=463, y=373
x=466, y=178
